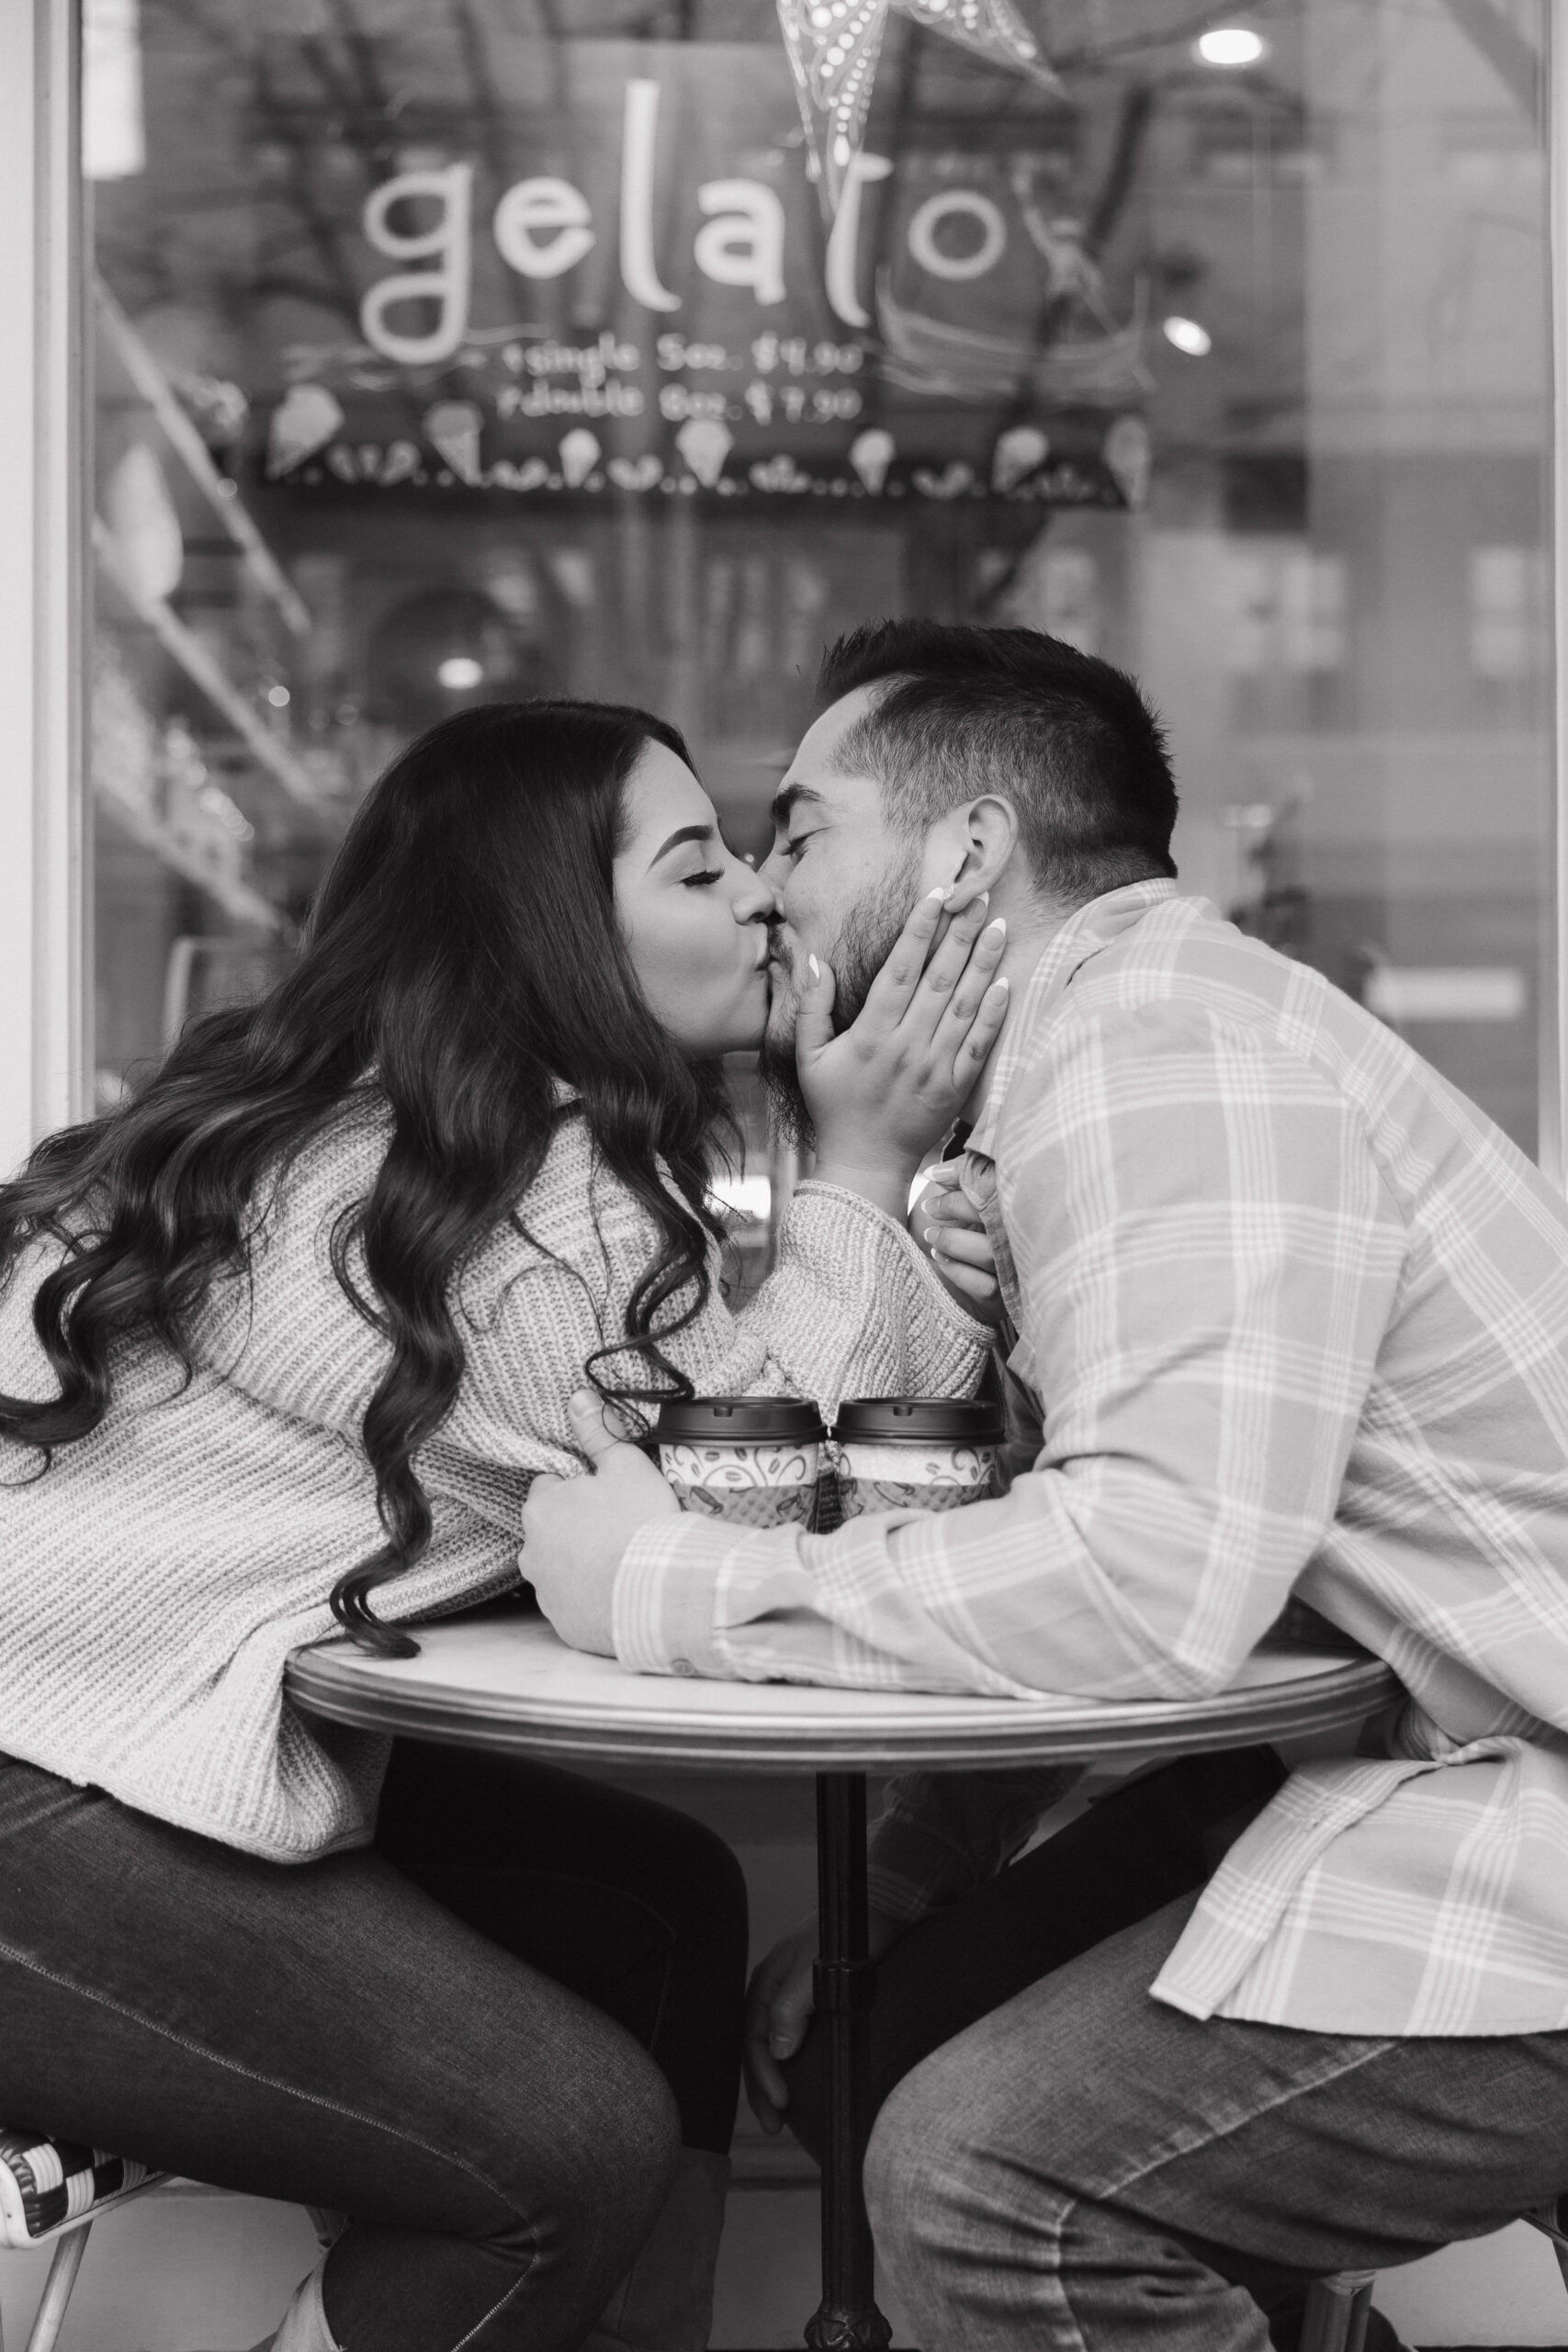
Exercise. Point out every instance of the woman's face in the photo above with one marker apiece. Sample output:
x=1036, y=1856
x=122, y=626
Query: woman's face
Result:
x=693, y=917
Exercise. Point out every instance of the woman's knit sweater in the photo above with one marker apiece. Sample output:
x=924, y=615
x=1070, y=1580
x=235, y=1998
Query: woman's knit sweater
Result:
x=154, y=1580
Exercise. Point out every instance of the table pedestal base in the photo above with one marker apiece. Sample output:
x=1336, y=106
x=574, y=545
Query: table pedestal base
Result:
x=861, y=2330
x=847, y=2319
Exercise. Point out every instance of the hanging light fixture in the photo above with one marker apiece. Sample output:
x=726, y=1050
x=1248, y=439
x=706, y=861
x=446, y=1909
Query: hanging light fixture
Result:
x=1231, y=46
x=443, y=649
x=1188, y=336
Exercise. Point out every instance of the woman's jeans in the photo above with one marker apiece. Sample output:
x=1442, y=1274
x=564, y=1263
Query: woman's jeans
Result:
x=484, y=2040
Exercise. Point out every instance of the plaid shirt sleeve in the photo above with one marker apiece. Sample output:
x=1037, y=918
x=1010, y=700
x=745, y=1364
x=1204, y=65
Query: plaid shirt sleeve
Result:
x=1206, y=1258
x=944, y=1834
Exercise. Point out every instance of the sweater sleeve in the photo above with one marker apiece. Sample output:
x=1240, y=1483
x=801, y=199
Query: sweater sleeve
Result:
x=852, y=1309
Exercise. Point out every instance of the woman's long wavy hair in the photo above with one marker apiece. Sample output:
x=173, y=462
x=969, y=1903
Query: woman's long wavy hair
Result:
x=462, y=958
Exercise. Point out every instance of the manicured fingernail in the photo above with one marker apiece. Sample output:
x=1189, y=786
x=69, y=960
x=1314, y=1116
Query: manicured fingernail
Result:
x=997, y=929
x=581, y=1401
x=941, y=893
x=998, y=987
x=930, y=1233
x=816, y=967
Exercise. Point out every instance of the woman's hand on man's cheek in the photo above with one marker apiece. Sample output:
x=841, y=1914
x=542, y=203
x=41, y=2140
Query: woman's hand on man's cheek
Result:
x=576, y=1531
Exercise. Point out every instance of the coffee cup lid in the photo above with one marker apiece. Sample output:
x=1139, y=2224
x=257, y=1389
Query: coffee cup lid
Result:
x=737, y=1420
x=920, y=1421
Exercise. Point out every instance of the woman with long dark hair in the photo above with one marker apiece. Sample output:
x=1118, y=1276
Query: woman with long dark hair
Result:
x=283, y=1340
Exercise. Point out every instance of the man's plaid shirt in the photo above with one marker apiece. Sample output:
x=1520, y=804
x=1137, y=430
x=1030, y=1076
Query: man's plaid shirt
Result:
x=1295, y=1316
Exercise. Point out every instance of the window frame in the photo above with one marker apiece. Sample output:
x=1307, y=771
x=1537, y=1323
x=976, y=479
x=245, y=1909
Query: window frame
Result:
x=44, y=934
x=1552, y=1149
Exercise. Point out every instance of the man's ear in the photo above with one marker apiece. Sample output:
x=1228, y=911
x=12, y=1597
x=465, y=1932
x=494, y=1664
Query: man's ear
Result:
x=970, y=848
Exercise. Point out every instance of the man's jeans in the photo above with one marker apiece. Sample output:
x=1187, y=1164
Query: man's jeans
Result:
x=485, y=2043
x=1088, y=2170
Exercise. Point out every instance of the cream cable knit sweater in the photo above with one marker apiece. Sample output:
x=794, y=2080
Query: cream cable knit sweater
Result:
x=153, y=1582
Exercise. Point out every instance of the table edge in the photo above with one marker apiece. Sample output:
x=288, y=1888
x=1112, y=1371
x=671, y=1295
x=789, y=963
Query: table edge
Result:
x=1284, y=1710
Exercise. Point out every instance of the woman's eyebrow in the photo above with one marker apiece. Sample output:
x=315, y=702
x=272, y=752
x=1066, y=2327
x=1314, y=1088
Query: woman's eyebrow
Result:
x=682, y=833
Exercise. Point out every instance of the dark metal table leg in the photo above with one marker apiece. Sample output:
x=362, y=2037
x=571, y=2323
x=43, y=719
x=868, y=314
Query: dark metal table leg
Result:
x=847, y=2319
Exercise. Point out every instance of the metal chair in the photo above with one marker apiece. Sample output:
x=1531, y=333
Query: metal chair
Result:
x=53, y=2190
x=1336, y=2307
x=1337, y=2310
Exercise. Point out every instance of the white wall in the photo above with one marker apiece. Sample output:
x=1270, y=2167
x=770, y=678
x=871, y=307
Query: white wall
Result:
x=1554, y=1071
x=41, y=960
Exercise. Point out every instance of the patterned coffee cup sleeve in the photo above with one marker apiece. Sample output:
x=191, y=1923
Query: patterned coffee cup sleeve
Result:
x=779, y=1463
x=874, y=1478
x=917, y=1466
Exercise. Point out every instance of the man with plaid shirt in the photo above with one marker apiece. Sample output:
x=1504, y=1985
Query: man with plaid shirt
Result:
x=1290, y=1316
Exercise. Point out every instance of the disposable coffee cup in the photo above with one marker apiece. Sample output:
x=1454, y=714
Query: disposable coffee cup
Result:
x=753, y=1459
x=920, y=1453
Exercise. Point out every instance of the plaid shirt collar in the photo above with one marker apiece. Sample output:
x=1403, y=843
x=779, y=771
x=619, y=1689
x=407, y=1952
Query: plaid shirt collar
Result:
x=1085, y=932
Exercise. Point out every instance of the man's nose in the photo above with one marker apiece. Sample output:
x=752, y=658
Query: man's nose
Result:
x=756, y=901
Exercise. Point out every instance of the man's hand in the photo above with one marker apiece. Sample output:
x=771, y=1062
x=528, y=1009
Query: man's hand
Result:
x=949, y=1227
x=575, y=1531
x=780, y=2001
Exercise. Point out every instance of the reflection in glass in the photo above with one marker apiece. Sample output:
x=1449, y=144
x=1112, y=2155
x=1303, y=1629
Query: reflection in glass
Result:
x=449, y=355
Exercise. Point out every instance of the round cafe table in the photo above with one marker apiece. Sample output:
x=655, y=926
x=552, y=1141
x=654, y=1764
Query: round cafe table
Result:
x=505, y=1680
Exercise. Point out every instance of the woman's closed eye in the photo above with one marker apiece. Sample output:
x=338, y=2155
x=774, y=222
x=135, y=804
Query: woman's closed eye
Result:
x=708, y=874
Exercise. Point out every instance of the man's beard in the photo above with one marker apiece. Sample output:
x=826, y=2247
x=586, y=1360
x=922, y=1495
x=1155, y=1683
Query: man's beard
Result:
x=861, y=948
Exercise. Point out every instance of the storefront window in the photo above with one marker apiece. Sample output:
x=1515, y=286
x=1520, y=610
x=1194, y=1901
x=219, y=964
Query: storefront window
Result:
x=637, y=347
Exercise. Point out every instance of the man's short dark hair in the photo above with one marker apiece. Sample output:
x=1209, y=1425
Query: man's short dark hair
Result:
x=1068, y=739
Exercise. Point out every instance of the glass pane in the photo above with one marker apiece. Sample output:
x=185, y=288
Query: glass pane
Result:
x=509, y=345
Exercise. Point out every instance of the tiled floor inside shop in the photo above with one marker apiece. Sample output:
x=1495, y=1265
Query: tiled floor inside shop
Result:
x=183, y=2275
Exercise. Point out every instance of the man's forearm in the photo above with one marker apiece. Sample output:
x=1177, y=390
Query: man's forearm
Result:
x=1008, y=1598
